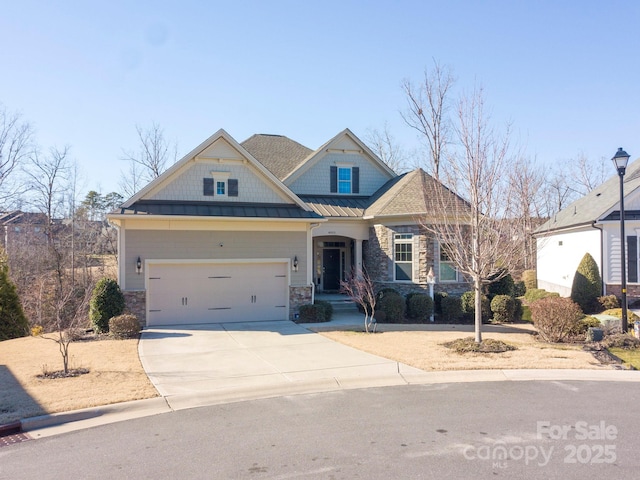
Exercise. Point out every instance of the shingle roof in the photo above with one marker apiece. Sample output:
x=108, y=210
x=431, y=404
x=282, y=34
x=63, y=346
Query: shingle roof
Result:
x=276, y=152
x=217, y=209
x=411, y=194
x=337, y=206
x=596, y=204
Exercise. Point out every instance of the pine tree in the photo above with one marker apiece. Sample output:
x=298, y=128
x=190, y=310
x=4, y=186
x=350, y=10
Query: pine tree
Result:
x=13, y=323
x=587, y=284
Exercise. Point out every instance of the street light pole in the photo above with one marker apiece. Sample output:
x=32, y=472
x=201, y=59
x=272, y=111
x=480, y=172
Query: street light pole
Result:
x=620, y=160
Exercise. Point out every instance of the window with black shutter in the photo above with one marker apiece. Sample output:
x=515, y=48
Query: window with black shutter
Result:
x=232, y=184
x=632, y=259
x=334, y=179
x=207, y=187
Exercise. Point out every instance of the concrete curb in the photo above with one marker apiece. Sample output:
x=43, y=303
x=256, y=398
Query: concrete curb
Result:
x=57, y=423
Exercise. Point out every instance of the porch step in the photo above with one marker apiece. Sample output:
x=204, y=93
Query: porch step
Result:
x=343, y=305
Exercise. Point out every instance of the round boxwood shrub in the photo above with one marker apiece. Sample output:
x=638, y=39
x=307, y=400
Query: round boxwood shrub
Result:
x=503, y=308
x=107, y=301
x=311, y=313
x=504, y=286
x=451, y=308
x=530, y=279
x=419, y=306
x=124, y=326
x=587, y=284
x=469, y=307
x=519, y=289
x=393, y=306
x=326, y=308
x=437, y=300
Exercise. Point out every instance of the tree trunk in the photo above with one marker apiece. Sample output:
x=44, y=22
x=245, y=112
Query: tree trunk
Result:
x=477, y=288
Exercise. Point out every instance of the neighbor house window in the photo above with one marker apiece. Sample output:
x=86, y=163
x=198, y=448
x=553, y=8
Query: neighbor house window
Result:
x=448, y=271
x=403, y=257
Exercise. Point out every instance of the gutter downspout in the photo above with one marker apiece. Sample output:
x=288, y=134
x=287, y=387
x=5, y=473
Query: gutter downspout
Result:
x=603, y=287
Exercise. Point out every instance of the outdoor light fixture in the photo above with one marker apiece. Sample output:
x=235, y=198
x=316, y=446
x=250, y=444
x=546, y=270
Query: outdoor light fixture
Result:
x=138, y=266
x=295, y=263
x=431, y=280
x=620, y=160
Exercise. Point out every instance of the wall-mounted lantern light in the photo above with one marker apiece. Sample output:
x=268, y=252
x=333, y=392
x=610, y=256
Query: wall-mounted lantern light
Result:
x=138, y=266
x=295, y=263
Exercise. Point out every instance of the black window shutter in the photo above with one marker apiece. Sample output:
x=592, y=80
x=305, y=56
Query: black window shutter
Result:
x=632, y=258
x=334, y=179
x=207, y=187
x=355, y=180
x=232, y=183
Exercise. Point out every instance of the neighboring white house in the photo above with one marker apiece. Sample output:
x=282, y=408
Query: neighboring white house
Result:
x=592, y=224
x=250, y=231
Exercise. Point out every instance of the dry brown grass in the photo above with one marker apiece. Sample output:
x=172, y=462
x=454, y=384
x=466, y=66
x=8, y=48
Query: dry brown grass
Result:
x=423, y=349
x=115, y=375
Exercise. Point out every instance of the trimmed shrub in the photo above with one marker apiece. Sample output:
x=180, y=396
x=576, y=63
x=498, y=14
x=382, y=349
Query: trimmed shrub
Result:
x=587, y=284
x=555, y=318
x=13, y=323
x=469, y=307
x=387, y=291
x=608, y=302
x=503, y=308
x=469, y=345
x=535, y=294
x=393, y=306
x=327, y=308
x=107, y=301
x=311, y=313
x=518, y=311
x=124, y=326
x=419, y=306
x=519, y=289
x=621, y=340
x=530, y=279
x=504, y=286
x=451, y=308
x=437, y=300
x=586, y=323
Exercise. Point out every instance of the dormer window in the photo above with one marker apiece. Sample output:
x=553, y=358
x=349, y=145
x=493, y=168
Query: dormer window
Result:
x=344, y=179
x=220, y=185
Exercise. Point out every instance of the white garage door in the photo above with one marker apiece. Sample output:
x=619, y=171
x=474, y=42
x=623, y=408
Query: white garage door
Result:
x=216, y=293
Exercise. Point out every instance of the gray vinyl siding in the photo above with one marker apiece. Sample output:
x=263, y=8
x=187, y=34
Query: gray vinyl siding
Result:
x=205, y=245
x=188, y=185
x=317, y=180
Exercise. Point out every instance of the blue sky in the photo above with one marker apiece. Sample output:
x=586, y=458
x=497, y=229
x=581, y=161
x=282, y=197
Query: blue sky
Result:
x=566, y=73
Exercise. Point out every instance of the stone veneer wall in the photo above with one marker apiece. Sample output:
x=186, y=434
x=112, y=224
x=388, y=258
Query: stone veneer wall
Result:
x=298, y=296
x=379, y=260
x=136, y=303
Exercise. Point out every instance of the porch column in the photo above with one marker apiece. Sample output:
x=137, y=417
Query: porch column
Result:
x=358, y=257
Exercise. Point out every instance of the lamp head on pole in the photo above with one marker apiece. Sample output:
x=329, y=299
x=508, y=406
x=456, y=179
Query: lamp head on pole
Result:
x=620, y=160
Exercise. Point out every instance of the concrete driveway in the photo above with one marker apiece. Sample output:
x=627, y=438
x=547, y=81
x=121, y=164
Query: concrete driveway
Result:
x=206, y=364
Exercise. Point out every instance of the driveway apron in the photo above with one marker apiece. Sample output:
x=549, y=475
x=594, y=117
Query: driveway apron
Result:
x=199, y=364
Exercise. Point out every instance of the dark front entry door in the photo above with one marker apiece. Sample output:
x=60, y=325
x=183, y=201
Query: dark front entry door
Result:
x=331, y=267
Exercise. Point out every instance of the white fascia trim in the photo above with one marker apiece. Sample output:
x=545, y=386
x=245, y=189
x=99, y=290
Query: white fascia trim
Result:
x=226, y=219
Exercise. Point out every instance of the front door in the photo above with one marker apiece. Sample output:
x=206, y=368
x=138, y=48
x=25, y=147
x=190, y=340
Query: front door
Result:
x=331, y=269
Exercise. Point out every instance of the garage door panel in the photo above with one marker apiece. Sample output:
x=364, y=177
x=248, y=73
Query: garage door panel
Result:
x=214, y=293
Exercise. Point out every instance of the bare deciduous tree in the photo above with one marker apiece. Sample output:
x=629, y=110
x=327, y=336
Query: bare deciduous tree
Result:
x=149, y=161
x=385, y=146
x=15, y=147
x=360, y=288
x=476, y=235
x=427, y=112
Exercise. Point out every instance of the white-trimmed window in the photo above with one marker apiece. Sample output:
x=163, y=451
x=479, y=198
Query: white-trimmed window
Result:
x=403, y=257
x=344, y=179
x=221, y=187
x=448, y=270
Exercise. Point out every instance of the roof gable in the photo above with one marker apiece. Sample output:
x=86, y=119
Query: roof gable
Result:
x=344, y=142
x=597, y=204
x=218, y=156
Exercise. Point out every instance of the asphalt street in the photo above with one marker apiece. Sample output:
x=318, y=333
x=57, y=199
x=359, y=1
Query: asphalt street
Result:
x=584, y=430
